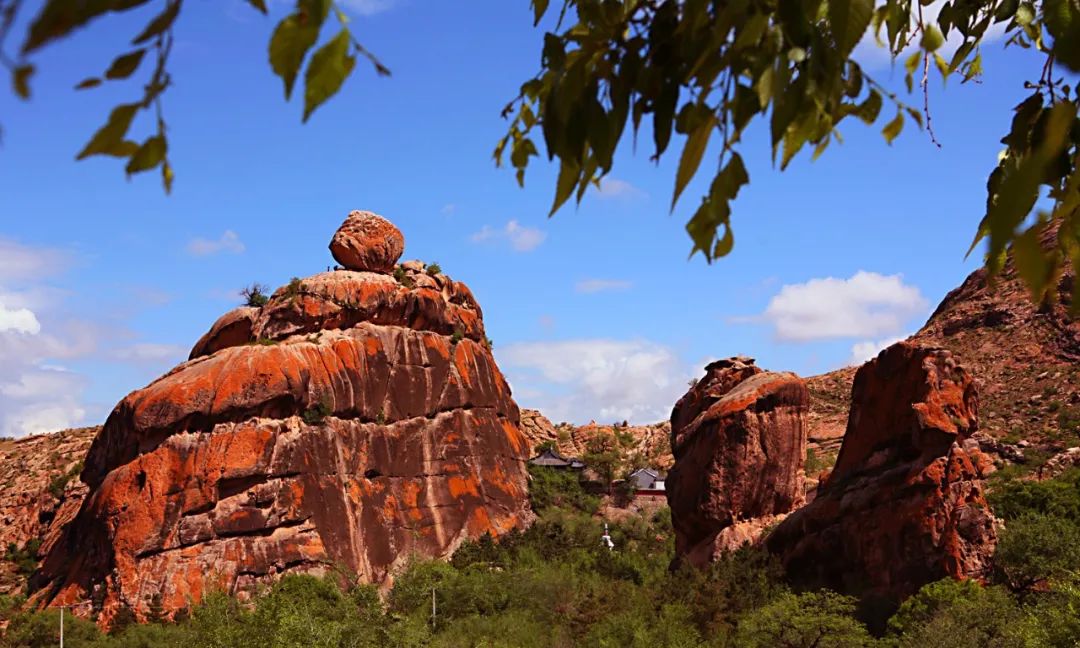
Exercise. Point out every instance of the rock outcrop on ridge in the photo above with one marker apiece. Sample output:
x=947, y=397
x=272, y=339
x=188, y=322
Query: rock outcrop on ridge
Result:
x=40, y=491
x=905, y=504
x=739, y=440
x=1025, y=355
x=646, y=445
x=354, y=420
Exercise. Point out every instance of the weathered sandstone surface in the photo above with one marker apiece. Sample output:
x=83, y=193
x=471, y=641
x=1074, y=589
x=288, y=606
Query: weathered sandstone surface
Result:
x=353, y=421
x=739, y=441
x=905, y=504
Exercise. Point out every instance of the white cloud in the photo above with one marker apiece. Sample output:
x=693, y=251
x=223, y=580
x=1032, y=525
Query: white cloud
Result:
x=229, y=241
x=520, y=237
x=615, y=188
x=370, y=7
x=868, y=305
x=863, y=351
x=588, y=286
x=596, y=379
x=19, y=262
x=20, y=320
x=37, y=332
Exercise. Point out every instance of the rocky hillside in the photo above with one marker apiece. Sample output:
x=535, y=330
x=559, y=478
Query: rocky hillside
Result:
x=39, y=491
x=645, y=445
x=1026, y=357
x=354, y=420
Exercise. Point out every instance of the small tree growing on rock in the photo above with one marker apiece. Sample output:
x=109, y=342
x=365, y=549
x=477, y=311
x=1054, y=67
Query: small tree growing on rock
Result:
x=255, y=295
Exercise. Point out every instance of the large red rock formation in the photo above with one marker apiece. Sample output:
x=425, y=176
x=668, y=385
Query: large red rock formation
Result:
x=739, y=442
x=362, y=420
x=905, y=503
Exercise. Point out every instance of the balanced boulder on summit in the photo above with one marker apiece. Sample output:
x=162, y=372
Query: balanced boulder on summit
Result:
x=354, y=420
x=367, y=242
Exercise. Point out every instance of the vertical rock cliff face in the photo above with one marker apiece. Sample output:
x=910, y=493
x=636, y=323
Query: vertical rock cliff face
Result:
x=905, y=504
x=739, y=441
x=355, y=419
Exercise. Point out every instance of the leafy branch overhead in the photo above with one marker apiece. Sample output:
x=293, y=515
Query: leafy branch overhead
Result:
x=707, y=69
x=295, y=35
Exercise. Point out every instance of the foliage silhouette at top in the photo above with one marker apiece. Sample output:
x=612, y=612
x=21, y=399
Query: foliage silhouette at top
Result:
x=705, y=69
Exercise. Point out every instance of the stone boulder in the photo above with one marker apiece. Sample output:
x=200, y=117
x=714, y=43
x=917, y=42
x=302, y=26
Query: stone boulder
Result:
x=905, y=504
x=739, y=441
x=367, y=242
x=361, y=422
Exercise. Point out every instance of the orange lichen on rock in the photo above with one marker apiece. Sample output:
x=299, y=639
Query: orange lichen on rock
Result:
x=906, y=502
x=348, y=436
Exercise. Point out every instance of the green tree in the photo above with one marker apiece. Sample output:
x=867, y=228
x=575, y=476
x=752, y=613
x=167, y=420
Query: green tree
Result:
x=1036, y=548
x=808, y=620
x=957, y=613
x=707, y=70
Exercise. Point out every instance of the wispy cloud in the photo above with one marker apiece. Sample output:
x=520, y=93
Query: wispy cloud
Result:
x=615, y=188
x=519, y=237
x=589, y=286
x=150, y=353
x=370, y=7
x=229, y=241
x=22, y=262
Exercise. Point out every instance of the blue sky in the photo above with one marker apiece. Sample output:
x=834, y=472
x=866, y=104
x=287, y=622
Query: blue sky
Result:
x=595, y=314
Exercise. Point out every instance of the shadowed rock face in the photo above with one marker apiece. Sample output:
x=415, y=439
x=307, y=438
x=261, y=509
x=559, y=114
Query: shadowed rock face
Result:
x=905, y=503
x=361, y=420
x=739, y=442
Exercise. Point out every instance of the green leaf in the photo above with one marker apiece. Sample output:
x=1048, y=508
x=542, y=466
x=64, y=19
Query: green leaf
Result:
x=20, y=78
x=942, y=66
x=1031, y=262
x=849, y=20
x=292, y=39
x=125, y=65
x=149, y=155
x=1025, y=14
x=569, y=174
x=58, y=18
x=893, y=128
x=539, y=8
x=109, y=140
x=715, y=211
x=328, y=69
x=1062, y=20
x=167, y=176
x=161, y=23
x=932, y=39
x=764, y=87
x=870, y=108
x=910, y=65
x=693, y=150
x=259, y=4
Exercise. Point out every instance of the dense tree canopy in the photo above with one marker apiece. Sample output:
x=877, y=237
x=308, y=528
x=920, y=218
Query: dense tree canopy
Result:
x=705, y=69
